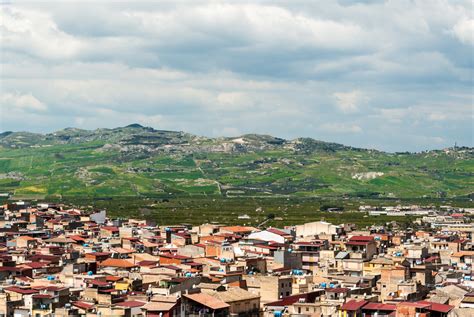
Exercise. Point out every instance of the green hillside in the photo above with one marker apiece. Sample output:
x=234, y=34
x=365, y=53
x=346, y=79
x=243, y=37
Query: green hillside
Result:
x=139, y=161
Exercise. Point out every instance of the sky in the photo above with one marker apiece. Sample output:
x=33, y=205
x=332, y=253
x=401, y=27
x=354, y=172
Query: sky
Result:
x=391, y=75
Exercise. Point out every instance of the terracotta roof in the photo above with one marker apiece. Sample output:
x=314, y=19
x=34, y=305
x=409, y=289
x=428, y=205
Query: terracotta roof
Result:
x=27, y=238
x=21, y=290
x=98, y=283
x=83, y=305
x=362, y=238
x=36, y=265
x=357, y=242
x=112, y=278
x=354, y=305
x=77, y=238
x=413, y=304
x=238, y=229
x=61, y=239
x=278, y=232
x=207, y=300
x=175, y=256
x=158, y=306
x=437, y=307
x=98, y=254
x=463, y=253
x=43, y=296
x=380, y=306
x=172, y=267
x=147, y=263
x=131, y=304
x=117, y=263
x=149, y=244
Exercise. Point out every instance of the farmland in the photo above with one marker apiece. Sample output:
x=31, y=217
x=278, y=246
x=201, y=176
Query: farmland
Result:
x=141, y=162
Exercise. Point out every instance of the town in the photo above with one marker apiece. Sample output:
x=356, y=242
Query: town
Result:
x=62, y=261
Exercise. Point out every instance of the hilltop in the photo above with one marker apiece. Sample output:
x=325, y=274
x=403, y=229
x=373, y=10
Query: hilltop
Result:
x=141, y=161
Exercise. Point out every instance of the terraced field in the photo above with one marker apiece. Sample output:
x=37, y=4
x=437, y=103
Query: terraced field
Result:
x=141, y=162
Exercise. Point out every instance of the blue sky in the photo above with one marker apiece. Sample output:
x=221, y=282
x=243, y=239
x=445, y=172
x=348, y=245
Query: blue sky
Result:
x=391, y=75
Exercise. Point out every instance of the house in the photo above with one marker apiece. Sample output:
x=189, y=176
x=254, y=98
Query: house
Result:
x=271, y=234
x=202, y=304
x=361, y=247
x=241, y=302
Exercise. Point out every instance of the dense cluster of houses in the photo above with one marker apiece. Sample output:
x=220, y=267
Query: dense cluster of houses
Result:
x=56, y=261
x=413, y=210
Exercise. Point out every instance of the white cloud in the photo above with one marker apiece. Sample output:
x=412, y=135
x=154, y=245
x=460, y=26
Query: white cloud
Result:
x=341, y=128
x=464, y=31
x=233, y=101
x=348, y=102
x=35, y=33
x=422, y=113
x=24, y=102
x=217, y=68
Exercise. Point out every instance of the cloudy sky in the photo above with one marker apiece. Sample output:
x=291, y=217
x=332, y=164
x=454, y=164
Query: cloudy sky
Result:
x=394, y=75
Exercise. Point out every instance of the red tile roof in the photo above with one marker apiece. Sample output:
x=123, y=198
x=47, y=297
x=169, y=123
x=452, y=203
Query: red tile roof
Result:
x=131, y=304
x=83, y=305
x=117, y=263
x=278, y=232
x=112, y=278
x=21, y=290
x=110, y=228
x=207, y=300
x=98, y=283
x=239, y=229
x=362, y=238
x=354, y=305
x=437, y=307
x=147, y=263
x=380, y=306
x=175, y=256
x=358, y=242
x=40, y=296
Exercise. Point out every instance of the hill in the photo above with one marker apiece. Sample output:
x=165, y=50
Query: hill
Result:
x=141, y=161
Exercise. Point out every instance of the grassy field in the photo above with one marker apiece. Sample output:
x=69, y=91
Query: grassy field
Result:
x=141, y=162
x=82, y=169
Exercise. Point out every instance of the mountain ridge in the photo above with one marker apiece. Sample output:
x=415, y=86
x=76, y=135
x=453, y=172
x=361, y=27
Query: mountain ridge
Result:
x=7, y=138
